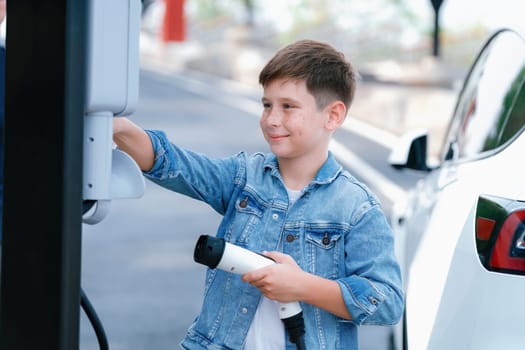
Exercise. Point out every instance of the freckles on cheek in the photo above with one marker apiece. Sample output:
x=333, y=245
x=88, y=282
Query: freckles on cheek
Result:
x=298, y=127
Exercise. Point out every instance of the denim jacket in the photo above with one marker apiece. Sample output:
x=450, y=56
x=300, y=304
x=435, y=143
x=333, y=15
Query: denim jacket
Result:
x=336, y=230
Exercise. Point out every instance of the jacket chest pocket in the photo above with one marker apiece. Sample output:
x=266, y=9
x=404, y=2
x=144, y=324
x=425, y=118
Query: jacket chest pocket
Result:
x=323, y=250
x=248, y=214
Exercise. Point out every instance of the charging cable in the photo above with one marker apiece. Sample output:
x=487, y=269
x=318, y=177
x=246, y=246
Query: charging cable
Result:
x=86, y=305
x=95, y=321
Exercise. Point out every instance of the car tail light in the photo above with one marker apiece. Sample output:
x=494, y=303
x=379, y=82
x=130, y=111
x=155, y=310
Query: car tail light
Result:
x=500, y=234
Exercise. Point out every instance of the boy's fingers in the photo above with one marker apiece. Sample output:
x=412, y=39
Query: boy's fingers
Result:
x=278, y=257
x=253, y=276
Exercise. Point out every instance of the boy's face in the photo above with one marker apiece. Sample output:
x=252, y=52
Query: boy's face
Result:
x=291, y=123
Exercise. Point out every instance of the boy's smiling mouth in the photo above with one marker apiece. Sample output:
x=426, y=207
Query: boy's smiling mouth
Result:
x=277, y=137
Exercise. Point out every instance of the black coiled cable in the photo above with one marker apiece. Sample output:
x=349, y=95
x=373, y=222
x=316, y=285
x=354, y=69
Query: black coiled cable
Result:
x=86, y=304
x=95, y=321
x=295, y=327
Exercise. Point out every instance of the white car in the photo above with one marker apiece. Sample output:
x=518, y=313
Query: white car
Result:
x=461, y=233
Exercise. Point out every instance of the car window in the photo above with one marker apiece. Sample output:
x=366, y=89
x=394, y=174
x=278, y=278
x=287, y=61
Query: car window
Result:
x=490, y=109
x=516, y=120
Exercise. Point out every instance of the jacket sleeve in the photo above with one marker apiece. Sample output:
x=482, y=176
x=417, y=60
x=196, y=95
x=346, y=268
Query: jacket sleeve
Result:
x=193, y=174
x=372, y=290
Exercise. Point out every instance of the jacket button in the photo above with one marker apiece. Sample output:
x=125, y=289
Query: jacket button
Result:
x=244, y=203
x=326, y=239
x=244, y=310
x=290, y=238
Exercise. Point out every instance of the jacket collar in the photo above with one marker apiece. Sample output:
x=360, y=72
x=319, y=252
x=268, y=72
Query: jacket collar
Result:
x=328, y=172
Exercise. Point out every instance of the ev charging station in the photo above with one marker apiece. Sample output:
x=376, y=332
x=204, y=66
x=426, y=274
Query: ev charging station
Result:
x=112, y=90
x=72, y=65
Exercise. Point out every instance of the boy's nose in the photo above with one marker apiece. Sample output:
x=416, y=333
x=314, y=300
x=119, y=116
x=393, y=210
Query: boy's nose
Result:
x=274, y=117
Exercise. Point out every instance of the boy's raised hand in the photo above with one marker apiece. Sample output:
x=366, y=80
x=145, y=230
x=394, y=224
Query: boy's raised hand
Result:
x=133, y=140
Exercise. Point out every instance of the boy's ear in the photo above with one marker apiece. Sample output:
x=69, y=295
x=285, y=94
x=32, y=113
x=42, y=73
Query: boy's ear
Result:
x=336, y=115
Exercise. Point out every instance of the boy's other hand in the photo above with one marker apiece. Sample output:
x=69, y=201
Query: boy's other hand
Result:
x=280, y=281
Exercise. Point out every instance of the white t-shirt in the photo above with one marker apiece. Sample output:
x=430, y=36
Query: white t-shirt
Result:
x=267, y=330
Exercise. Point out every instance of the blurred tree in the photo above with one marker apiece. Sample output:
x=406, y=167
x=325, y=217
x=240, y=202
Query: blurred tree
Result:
x=234, y=11
x=249, y=6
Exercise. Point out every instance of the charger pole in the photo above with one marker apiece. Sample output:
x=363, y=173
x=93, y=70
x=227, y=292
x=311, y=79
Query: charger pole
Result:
x=436, y=5
x=41, y=248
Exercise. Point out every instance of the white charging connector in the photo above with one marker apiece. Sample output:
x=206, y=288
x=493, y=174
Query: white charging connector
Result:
x=217, y=253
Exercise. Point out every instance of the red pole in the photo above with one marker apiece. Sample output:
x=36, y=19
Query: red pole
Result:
x=173, y=25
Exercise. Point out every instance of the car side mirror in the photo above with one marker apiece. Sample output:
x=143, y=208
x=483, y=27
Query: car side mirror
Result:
x=410, y=152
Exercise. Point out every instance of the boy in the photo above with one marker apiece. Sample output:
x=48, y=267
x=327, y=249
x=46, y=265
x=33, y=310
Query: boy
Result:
x=325, y=230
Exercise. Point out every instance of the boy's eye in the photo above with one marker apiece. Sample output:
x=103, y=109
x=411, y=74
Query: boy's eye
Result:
x=266, y=105
x=287, y=106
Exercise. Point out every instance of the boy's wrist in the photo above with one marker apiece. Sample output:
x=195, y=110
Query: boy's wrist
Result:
x=118, y=125
x=307, y=281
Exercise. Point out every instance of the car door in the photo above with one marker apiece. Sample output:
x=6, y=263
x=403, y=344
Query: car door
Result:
x=476, y=158
x=481, y=123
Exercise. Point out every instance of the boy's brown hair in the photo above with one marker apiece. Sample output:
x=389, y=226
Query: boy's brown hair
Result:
x=326, y=72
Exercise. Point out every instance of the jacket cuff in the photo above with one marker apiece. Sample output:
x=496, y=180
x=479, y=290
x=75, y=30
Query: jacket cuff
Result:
x=361, y=297
x=158, y=139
